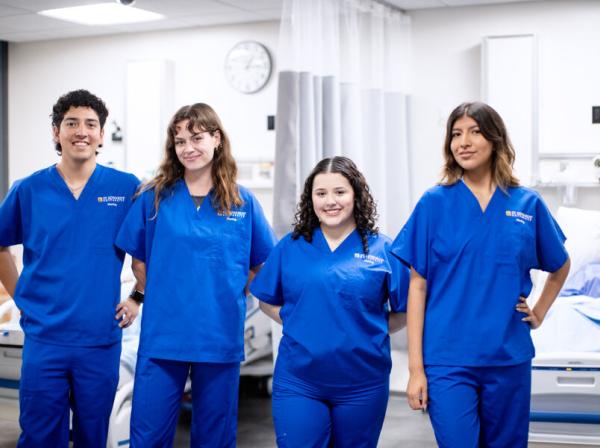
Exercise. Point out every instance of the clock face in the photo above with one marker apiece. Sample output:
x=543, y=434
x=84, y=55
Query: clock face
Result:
x=248, y=67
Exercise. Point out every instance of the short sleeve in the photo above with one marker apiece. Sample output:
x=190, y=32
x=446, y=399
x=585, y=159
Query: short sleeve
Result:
x=133, y=234
x=134, y=185
x=11, y=223
x=411, y=245
x=397, y=284
x=263, y=238
x=550, y=249
x=266, y=286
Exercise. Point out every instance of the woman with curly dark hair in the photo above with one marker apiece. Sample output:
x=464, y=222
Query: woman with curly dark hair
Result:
x=338, y=292
x=199, y=234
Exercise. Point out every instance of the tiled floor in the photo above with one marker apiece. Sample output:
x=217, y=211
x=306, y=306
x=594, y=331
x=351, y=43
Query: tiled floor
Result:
x=403, y=428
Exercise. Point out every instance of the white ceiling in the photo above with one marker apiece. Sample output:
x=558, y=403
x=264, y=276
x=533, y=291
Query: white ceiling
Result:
x=19, y=21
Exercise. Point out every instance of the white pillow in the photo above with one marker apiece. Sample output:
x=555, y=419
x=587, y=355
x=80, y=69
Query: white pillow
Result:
x=582, y=229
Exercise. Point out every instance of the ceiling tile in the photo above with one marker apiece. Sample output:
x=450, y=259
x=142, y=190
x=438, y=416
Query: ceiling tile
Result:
x=270, y=14
x=415, y=4
x=220, y=19
x=31, y=22
x=254, y=4
x=176, y=8
x=40, y=5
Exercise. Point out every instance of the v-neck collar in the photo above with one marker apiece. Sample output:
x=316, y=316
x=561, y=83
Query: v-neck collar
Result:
x=183, y=186
x=476, y=201
x=88, y=187
x=320, y=241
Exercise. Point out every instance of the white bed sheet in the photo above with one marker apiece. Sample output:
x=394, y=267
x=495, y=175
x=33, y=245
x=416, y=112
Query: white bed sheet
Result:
x=571, y=325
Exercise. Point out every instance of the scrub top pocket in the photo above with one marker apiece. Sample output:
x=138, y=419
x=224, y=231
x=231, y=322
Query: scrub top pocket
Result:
x=360, y=289
x=517, y=243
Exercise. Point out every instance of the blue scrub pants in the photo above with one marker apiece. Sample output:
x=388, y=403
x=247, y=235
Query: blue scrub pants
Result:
x=309, y=416
x=55, y=378
x=157, y=392
x=474, y=407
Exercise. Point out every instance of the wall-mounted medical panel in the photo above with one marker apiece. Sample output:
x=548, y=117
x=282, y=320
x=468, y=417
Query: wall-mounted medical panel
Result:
x=148, y=108
x=510, y=85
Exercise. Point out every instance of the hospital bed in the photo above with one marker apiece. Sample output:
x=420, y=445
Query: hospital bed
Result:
x=258, y=349
x=565, y=390
x=11, y=344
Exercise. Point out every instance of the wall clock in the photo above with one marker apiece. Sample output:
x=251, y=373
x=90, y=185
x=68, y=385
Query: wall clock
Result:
x=248, y=66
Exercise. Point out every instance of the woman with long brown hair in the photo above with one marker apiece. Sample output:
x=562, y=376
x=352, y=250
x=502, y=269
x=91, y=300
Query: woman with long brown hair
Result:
x=470, y=243
x=338, y=292
x=199, y=234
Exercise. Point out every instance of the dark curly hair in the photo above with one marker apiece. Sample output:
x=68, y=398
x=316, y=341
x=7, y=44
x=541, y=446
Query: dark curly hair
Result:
x=365, y=210
x=77, y=98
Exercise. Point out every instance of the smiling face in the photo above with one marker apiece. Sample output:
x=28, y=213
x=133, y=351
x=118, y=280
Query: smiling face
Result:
x=79, y=134
x=195, y=149
x=333, y=200
x=471, y=150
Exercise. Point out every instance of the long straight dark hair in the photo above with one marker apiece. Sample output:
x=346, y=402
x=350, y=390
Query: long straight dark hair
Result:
x=493, y=129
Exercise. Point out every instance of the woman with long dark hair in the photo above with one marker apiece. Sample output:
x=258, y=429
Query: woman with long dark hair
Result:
x=199, y=234
x=470, y=243
x=338, y=293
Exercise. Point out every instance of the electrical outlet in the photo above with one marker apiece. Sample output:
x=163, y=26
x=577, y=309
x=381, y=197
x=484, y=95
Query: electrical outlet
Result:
x=595, y=114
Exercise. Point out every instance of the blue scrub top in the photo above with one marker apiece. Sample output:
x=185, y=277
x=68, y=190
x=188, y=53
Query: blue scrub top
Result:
x=334, y=307
x=70, y=284
x=197, y=265
x=477, y=265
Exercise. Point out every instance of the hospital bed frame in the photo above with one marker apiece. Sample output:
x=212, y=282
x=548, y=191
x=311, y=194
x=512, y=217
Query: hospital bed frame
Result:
x=565, y=398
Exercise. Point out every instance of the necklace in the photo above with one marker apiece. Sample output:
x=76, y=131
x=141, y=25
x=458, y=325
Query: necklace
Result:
x=74, y=189
x=69, y=182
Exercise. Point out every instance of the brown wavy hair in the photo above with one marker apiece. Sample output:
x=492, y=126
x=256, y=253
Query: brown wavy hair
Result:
x=365, y=210
x=203, y=118
x=493, y=129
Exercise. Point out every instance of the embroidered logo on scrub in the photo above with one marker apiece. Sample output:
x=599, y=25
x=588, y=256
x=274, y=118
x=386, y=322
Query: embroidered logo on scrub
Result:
x=369, y=259
x=233, y=216
x=519, y=216
x=111, y=201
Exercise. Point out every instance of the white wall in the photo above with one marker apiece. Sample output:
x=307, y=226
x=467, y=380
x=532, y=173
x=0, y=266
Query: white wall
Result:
x=42, y=71
x=447, y=71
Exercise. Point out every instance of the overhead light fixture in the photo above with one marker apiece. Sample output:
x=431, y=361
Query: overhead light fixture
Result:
x=102, y=14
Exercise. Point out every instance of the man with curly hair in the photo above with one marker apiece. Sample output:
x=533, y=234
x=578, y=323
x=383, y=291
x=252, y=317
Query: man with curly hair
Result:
x=66, y=217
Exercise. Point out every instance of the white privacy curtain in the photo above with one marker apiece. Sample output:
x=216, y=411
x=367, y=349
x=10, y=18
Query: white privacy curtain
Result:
x=343, y=67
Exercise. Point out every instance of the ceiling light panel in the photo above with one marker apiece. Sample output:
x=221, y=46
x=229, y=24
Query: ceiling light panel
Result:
x=102, y=14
